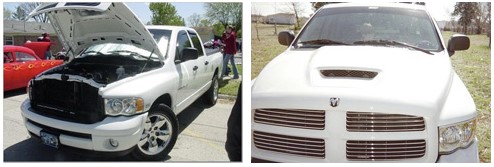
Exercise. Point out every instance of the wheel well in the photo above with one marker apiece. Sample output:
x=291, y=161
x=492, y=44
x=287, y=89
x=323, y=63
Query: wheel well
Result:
x=216, y=72
x=165, y=99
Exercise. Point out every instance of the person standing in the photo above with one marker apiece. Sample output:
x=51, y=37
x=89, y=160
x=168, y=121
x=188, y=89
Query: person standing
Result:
x=230, y=50
x=46, y=38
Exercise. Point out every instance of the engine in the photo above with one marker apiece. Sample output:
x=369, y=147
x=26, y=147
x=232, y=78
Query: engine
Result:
x=105, y=70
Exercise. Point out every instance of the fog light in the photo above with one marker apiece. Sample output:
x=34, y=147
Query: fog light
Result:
x=113, y=142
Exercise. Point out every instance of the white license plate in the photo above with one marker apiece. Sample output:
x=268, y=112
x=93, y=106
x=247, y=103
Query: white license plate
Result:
x=49, y=139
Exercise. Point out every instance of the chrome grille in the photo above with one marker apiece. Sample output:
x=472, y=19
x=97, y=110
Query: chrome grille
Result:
x=384, y=150
x=300, y=146
x=305, y=119
x=348, y=73
x=378, y=122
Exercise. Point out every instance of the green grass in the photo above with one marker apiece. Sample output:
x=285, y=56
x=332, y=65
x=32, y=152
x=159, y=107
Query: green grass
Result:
x=230, y=87
x=267, y=48
x=473, y=66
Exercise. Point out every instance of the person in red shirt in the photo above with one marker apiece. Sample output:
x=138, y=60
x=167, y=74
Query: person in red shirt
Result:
x=230, y=50
x=46, y=38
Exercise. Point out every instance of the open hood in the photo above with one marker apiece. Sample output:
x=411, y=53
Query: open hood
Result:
x=80, y=25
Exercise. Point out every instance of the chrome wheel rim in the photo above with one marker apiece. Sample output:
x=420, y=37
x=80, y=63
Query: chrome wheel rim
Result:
x=156, y=135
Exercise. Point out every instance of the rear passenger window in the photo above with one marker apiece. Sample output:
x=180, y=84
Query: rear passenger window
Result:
x=197, y=43
x=23, y=57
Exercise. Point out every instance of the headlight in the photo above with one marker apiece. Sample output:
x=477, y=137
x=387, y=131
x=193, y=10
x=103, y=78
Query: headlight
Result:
x=124, y=106
x=456, y=136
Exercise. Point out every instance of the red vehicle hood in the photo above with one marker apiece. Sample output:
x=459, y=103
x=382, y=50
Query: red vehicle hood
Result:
x=39, y=48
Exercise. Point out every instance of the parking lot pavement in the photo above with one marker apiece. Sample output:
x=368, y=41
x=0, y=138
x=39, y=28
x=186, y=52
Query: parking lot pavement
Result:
x=202, y=137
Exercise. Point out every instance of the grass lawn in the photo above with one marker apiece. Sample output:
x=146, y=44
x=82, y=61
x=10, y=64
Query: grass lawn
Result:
x=473, y=66
x=230, y=87
x=267, y=48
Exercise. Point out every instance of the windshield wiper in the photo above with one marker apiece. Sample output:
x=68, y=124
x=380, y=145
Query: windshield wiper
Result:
x=124, y=51
x=323, y=42
x=390, y=43
x=93, y=51
x=128, y=51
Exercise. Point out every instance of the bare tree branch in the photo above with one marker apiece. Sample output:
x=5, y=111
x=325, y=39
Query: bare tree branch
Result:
x=28, y=7
x=194, y=20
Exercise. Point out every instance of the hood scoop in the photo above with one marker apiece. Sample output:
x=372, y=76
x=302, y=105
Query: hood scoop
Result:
x=348, y=74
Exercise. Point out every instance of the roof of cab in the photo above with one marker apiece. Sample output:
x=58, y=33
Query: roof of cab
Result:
x=396, y=5
x=166, y=27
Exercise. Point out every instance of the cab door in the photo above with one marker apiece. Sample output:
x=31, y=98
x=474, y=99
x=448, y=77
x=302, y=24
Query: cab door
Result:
x=187, y=69
x=205, y=67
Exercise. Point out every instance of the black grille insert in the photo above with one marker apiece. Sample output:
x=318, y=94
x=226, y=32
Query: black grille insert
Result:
x=67, y=100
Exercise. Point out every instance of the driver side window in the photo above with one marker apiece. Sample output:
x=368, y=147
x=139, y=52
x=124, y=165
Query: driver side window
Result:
x=183, y=41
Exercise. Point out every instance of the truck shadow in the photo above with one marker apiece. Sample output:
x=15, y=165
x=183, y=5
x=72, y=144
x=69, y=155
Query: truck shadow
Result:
x=15, y=92
x=33, y=150
x=186, y=117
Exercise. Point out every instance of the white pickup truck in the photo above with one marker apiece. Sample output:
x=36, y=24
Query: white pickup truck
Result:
x=125, y=85
x=363, y=83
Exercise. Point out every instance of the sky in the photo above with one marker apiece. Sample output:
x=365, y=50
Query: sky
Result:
x=141, y=9
x=440, y=10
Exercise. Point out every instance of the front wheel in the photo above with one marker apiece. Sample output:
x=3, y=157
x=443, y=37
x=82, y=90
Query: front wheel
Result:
x=159, y=134
x=211, y=96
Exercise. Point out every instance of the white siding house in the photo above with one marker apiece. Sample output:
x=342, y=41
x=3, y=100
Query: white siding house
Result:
x=281, y=18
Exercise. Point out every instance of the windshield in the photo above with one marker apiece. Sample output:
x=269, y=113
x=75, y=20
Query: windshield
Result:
x=118, y=49
x=371, y=26
x=162, y=38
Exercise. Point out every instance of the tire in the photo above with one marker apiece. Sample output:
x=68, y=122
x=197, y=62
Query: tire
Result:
x=211, y=96
x=157, y=140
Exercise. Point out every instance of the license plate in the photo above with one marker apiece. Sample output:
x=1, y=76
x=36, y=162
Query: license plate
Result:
x=49, y=139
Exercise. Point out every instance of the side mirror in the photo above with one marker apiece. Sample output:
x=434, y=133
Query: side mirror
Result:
x=189, y=53
x=285, y=37
x=458, y=42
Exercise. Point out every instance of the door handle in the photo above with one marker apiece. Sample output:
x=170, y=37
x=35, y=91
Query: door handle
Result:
x=195, y=68
x=206, y=63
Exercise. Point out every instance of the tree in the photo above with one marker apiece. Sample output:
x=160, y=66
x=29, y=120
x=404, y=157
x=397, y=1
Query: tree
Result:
x=19, y=14
x=218, y=29
x=194, y=20
x=256, y=12
x=225, y=13
x=467, y=11
x=28, y=7
x=297, y=9
x=489, y=22
x=205, y=22
x=7, y=13
x=482, y=16
x=164, y=13
x=317, y=5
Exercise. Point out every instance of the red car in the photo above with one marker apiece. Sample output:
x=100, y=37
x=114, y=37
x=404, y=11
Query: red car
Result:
x=20, y=64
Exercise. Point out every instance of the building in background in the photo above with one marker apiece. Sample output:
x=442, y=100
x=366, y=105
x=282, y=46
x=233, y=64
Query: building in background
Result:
x=281, y=18
x=18, y=32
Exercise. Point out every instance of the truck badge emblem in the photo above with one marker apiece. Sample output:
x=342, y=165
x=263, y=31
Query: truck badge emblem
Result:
x=334, y=101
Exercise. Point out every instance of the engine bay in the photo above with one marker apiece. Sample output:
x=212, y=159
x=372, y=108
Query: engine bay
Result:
x=106, y=69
